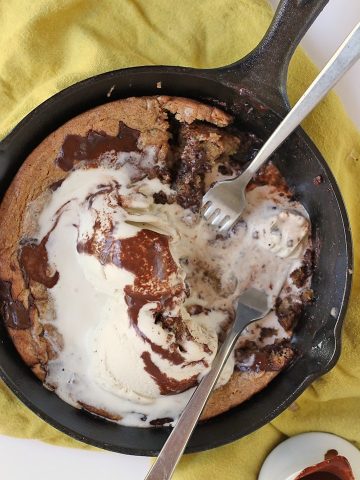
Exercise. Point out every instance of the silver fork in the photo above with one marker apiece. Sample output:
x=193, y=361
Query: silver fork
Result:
x=225, y=201
x=252, y=305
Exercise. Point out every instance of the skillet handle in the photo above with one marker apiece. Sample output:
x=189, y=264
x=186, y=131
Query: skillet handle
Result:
x=264, y=70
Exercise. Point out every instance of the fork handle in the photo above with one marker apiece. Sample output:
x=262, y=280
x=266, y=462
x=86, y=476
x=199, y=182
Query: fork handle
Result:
x=343, y=59
x=174, y=447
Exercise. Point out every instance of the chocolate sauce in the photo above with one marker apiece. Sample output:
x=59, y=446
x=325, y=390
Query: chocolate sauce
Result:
x=35, y=263
x=321, y=476
x=15, y=314
x=160, y=197
x=262, y=362
x=166, y=384
x=331, y=454
x=147, y=256
x=103, y=189
x=91, y=147
x=334, y=467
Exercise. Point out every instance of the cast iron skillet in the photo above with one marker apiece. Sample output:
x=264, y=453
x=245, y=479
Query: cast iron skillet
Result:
x=254, y=90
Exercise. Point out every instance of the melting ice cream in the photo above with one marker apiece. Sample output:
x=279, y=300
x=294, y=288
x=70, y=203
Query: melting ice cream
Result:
x=143, y=289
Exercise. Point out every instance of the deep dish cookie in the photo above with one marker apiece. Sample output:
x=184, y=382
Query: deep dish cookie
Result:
x=113, y=289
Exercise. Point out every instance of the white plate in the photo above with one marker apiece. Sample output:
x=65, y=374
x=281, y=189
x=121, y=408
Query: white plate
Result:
x=289, y=458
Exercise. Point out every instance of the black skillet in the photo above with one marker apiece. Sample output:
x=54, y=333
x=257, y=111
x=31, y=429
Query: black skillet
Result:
x=254, y=90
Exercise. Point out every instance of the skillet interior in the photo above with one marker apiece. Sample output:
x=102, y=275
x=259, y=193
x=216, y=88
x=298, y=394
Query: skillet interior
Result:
x=318, y=335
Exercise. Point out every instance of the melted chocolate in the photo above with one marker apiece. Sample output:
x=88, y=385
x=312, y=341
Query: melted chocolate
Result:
x=147, y=256
x=35, y=263
x=160, y=197
x=322, y=476
x=266, y=359
x=249, y=146
x=103, y=189
x=91, y=147
x=54, y=186
x=159, y=422
x=334, y=467
x=166, y=384
x=15, y=314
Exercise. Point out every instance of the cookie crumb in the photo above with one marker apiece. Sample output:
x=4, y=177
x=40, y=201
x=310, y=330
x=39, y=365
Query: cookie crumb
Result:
x=158, y=85
x=318, y=180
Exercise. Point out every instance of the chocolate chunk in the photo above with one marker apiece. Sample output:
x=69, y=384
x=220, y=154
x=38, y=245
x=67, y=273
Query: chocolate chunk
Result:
x=299, y=276
x=160, y=197
x=242, y=354
x=15, y=314
x=197, y=309
x=288, y=311
x=270, y=358
x=266, y=332
x=33, y=260
x=225, y=170
x=250, y=144
x=159, y=422
x=91, y=147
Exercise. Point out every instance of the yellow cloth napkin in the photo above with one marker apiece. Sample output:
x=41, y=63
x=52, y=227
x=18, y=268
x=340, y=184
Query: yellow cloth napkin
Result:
x=47, y=45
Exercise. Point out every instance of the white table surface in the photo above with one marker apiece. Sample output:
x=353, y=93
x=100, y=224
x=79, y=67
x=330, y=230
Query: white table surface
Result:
x=39, y=461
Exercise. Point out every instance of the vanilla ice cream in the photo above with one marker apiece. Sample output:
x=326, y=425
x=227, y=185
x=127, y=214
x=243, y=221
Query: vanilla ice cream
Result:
x=144, y=289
